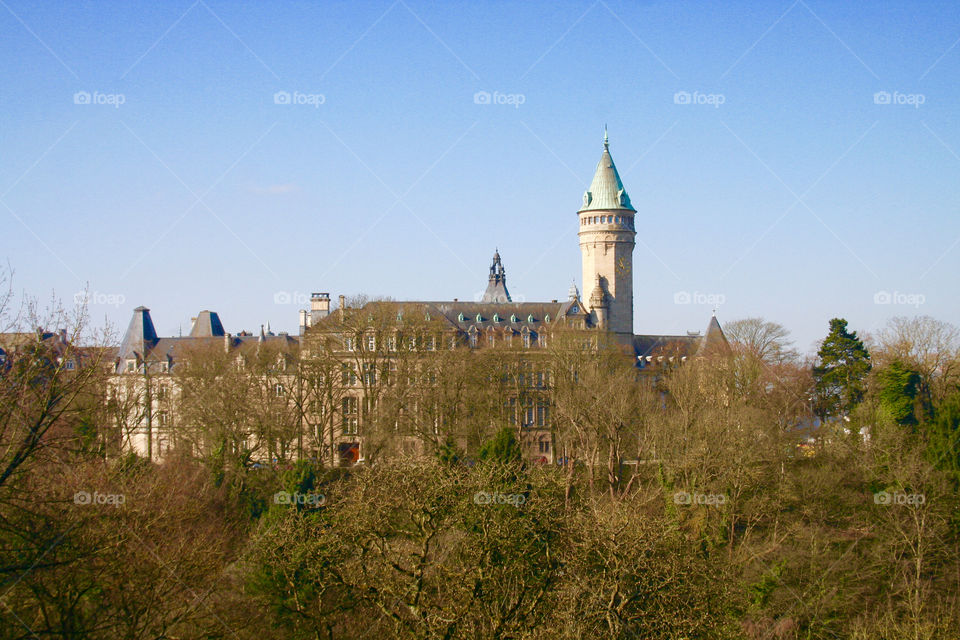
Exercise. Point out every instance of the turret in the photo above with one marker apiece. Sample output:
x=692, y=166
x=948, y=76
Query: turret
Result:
x=607, y=237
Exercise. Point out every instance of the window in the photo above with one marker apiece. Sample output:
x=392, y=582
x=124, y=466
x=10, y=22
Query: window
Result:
x=279, y=391
x=431, y=344
x=369, y=374
x=473, y=337
x=348, y=344
x=69, y=365
x=544, y=447
x=461, y=318
x=392, y=343
x=496, y=317
x=543, y=414
x=513, y=318
x=348, y=377
x=131, y=365
x=371, y=342
x=491, y=339
x=349, y=419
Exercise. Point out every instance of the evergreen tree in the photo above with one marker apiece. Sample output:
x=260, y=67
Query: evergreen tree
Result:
x=898, y=390
x=502, y=448
x=843, y=364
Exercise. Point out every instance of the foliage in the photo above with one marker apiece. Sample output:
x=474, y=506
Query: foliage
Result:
x=842, y=366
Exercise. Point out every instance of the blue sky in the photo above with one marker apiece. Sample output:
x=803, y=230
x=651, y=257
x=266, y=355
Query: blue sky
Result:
x=785, y=187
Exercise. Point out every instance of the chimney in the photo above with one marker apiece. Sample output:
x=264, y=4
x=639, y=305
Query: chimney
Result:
x=226, y=342
x=319, y=308
x=304, y=322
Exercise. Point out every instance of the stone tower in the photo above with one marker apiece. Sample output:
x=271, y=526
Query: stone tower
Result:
x=607, y=237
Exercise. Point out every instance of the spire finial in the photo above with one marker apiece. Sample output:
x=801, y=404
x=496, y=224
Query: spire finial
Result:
x=606, y=138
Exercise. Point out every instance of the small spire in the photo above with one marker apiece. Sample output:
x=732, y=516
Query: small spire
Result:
x=606, y=138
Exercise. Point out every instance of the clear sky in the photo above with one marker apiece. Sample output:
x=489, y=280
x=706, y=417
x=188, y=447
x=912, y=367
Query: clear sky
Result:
x=146, y=151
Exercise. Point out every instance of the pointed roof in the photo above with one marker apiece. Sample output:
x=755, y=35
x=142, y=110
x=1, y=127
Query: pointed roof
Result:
x=713, y=337
x=140, y=337
x=497, y=282
x=207, y=325
x=606, y=191
x=573, y=293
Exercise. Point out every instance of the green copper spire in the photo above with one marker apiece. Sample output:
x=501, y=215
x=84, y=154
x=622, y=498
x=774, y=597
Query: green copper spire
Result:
x=606, y=191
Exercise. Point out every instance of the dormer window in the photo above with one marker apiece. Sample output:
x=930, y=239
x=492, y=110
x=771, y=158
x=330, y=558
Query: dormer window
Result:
x=546, y=318
x=513, y=318
x=530, y=318
x=496, y=317
x=461, y=318
x=479, y=318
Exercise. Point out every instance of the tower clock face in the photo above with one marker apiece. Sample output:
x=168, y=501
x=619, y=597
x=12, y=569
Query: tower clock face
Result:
x=623, y=266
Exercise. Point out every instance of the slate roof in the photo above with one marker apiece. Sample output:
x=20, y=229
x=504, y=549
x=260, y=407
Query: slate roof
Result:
x=141, y=342
x=207, y=325
x=140, y=337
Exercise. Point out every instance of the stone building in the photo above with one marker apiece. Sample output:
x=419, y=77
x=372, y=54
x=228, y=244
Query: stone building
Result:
x=606, y=234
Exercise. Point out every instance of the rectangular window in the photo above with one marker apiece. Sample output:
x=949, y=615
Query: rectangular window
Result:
x=545, y=447
x=349, y=418
x=543, y=415
x=371, y=343
x=279, y=391
x=348, y=344
x=392, y=343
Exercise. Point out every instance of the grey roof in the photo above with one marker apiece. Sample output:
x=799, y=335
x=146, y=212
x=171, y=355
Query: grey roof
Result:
x=140, y=337
x=142, y=343
x=207, y=325
x=606, y=191
x=679, y=345
x=506, y=316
